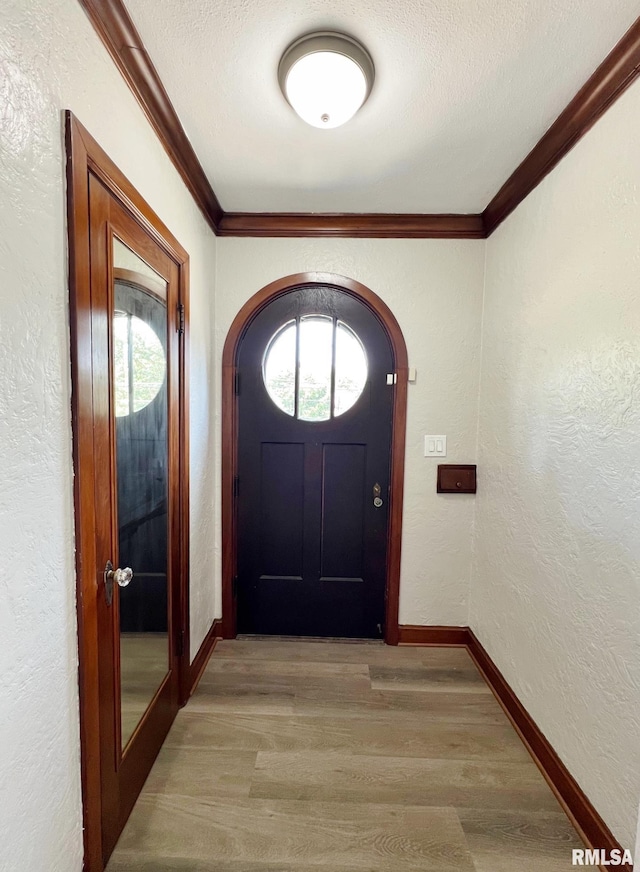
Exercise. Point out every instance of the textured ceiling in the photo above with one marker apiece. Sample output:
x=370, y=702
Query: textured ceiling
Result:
x=463, y=90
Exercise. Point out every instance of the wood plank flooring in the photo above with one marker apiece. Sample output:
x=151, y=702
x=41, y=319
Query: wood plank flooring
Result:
x=304, y=756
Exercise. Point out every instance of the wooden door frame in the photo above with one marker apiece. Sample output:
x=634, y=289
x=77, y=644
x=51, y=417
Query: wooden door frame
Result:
x=84, y=158
x=229, y=450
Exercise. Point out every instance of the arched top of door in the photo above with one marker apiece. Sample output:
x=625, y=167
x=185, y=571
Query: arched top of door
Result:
x=289, y=283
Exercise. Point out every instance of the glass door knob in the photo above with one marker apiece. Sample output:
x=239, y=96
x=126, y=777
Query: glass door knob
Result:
x=112, y=576
x=122, y=577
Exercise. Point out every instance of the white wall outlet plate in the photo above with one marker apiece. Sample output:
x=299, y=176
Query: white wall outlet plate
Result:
x=435, y=446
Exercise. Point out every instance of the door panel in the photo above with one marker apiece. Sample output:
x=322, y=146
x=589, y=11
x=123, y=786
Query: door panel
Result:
x=282, y=510
x=314, y=423
x=343, y=512
x=134, y=288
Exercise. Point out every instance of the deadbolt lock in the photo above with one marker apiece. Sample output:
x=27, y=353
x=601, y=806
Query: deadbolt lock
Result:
x=377, y=499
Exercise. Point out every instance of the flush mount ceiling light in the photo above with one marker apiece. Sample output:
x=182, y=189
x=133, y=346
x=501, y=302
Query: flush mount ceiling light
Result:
x=326, y=77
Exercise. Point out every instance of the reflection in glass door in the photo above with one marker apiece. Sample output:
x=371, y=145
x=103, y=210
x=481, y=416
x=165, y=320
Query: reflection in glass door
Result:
x=141, y=429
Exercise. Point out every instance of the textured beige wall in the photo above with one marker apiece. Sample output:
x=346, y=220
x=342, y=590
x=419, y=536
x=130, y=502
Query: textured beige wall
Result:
x=434, y=288
x=555, y=592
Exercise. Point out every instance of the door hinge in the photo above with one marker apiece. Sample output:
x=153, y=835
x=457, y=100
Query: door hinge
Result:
x=180, y=645
x=236, y=486
x=236, y=383
x=234, y=586
x=180, y=320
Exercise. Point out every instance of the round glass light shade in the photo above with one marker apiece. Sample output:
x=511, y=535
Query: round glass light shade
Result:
x=326, y=77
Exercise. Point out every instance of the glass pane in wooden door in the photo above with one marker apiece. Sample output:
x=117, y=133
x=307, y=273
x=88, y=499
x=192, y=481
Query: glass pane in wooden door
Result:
x=141, y=429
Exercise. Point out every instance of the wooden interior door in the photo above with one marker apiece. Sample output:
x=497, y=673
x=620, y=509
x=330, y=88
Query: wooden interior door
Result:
x=315, y=411
x=136, y=389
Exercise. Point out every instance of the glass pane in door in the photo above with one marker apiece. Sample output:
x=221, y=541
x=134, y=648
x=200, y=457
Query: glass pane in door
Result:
x=141, y=428
x=315, y=364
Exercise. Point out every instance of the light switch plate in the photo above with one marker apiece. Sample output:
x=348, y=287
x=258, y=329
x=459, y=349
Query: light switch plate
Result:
x=435, y=446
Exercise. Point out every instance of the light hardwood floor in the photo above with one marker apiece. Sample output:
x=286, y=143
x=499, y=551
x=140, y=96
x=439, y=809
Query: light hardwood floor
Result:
x=302, y=756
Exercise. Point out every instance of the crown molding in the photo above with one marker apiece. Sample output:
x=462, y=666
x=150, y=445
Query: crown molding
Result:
x=117, y=31
x=353, y=225
x=615, y=74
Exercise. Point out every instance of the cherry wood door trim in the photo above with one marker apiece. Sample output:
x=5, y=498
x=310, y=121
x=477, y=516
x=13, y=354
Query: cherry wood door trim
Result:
x=352, y=225
x=184, y=473
x=83, y=453
x=230, y=436
x=117, y=31
x=85, y=158
x=614, y=75
x=413, y=634
x=591, y=827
